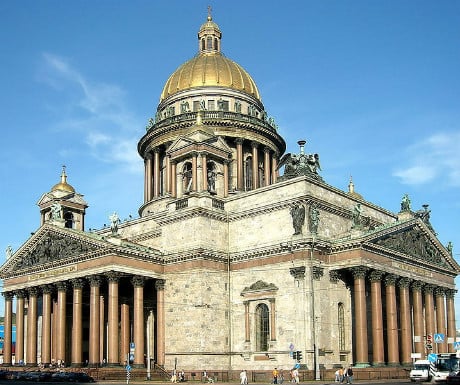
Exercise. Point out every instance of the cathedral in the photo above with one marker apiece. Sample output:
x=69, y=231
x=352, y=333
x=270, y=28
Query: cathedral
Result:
x=242, y=257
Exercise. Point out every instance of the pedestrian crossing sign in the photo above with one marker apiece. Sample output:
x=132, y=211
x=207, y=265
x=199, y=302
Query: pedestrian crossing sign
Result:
x=439, y=338
x=457, y=345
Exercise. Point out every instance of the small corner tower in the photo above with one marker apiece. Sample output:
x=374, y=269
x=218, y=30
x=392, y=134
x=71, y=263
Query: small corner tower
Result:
x=63, y=206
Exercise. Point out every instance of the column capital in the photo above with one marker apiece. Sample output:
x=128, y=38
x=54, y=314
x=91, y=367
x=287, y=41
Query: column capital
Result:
x=358, y=271
x=239, y=140
x=297, y=272
x=113, y=276
x=267, y=149
x=439, y=291
x=450, y=293
x=95, y=280
x=428, y=288
x=21, y=293
x=334, y=276
x=317, y=272
x=390, y=279
x=246, y=303
x=138, y=281
x=148, y=156
x=417, y=285
x=254, y=144
x=160, y=284
x=271, y=300
x=62, y=285
x=33, y=291
x=404, y=282
x=8, y=295
x=78, y=283
x=376, y=275
x=47, y=289
x=156, y=150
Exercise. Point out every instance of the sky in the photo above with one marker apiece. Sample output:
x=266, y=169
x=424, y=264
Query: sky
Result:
x=372, y=86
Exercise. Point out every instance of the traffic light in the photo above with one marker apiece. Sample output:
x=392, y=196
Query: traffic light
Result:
x=294, y=355
x=299, y=355
x=429, y=342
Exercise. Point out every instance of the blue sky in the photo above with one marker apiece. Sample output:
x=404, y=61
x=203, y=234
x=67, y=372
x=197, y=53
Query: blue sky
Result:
x=372, y=86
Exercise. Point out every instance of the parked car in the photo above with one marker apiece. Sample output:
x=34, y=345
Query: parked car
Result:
x=453, y=378
x=71, y=377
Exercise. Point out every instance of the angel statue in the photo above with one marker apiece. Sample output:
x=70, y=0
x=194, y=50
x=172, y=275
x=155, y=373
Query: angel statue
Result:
x=114, y=223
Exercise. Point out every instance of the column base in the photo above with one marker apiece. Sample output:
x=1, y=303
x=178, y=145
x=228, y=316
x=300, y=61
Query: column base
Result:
x=393, y=364
x=76, y=365
x=138, y=366
x=378, y=364
x=362, y=365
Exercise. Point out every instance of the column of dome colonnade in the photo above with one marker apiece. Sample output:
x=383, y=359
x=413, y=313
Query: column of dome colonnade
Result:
x=407, y=322
x=53, y=334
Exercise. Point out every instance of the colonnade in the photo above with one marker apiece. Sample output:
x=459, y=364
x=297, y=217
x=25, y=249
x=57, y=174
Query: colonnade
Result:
x=411, y=310
x=157, y=183
x=109, y=338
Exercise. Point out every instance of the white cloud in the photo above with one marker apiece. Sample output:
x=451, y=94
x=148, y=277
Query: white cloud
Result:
x=434, y=159
x=96, y=110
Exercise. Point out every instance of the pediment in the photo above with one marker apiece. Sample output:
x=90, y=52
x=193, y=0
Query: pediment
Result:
x=415, y=241
x=48, y=246
x=259, y=288
x=199, y=140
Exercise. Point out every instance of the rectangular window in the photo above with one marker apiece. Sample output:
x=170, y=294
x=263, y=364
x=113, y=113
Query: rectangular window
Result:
x=225, y=105
x=211, y=105
x=196, y=105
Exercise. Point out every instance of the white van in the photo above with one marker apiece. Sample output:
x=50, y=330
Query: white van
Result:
x=420, y=371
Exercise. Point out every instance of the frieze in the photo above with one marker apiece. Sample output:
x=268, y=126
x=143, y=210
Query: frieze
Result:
x=414, y=243
x=413, y=269
x=52, y=273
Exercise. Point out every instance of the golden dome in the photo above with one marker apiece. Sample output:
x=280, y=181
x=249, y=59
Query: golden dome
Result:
x=63, y=185
x=210, y=68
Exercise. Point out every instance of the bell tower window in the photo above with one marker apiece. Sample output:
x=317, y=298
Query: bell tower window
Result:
x=68, y=218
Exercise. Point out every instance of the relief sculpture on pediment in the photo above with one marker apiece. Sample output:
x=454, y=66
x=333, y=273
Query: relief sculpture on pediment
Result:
x=53, y=247
x=414, y=243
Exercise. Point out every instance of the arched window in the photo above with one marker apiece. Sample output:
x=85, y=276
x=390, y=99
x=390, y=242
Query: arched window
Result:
x=202, y=44
x=341, y=325
x=262, y=327
x=209, y=42
x=187, y=177
x=248, y=174
x=68, y=218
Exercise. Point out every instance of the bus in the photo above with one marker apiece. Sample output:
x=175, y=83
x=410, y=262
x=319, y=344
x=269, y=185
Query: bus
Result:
x=443, y=364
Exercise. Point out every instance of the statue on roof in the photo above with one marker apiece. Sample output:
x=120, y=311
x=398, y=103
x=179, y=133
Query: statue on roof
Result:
x=114, y=220
x=300, y=164
x=450, y=248
x=8, y=252
x=405, y=203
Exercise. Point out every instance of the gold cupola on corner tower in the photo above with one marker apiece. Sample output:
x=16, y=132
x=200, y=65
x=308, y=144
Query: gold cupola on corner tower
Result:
x=62, y=206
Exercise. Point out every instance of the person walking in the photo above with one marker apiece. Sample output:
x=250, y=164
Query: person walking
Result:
x=275, y=375
x=349, y=375
x=243, y=377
